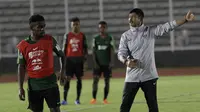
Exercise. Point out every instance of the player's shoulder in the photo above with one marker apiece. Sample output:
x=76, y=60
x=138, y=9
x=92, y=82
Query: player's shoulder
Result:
x=23, y=42
x=26, y=38
x=83, y=34
x=96, y=36
x=109, y=35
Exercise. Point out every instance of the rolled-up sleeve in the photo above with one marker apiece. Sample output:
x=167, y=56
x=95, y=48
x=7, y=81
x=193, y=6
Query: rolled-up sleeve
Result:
x=161, y=29
x=123, y=49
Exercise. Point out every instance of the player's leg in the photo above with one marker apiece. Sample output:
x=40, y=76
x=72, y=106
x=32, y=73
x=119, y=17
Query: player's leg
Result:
x=57, y=109
x=52, y=97
x=96, y=76
x=149, y=89
x=129, y=92
x=107, y=75
x=35, y=100
x=66, y=87
x=69, y=74
x=79, y=74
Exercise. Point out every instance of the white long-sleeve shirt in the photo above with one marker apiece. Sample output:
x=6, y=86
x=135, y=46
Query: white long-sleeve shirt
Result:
x=138, y=42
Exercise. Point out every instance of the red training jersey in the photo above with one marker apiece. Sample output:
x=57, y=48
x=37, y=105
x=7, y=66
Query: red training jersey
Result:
x=38, y=56
x=74, y=46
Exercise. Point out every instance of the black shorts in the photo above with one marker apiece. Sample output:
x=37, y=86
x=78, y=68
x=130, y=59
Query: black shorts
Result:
x=106, y=70
x=74, y=68
x=36, y=98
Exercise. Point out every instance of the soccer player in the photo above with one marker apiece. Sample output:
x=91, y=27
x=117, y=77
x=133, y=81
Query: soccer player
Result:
x=35, y=56
x=75, y=50
x=136, y=51
x=103, y=55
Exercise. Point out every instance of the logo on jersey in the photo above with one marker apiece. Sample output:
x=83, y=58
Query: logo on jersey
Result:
x=74, y=44
x=35, y=53
x=35, y=48
x=36, y=68
x=102, y=47
x=36, y=61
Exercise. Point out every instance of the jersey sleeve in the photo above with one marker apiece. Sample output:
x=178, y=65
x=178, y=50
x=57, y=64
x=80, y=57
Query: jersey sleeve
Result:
x=20, y=58
x=57, y=49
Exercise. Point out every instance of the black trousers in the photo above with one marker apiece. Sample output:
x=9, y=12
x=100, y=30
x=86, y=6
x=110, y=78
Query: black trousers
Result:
x=131, y=89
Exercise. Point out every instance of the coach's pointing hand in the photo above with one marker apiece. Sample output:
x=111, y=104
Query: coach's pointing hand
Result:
x=22, y=94
x=189, y=16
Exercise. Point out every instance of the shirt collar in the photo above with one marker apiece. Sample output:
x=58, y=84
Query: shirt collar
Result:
x=140, y=28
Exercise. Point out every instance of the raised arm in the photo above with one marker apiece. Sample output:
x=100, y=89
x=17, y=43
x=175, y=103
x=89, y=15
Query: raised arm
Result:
x=161, y=29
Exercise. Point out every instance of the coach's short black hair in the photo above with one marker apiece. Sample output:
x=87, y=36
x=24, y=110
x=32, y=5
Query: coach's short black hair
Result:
x=75, y=19
x=138, y=11
x=102, y=23
x=36, y=18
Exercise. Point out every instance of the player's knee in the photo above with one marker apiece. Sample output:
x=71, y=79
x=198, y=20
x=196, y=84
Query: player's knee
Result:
x=79, y=80
x=66, y=86
x=107, y=81
x=96, y=79
x=57, y=109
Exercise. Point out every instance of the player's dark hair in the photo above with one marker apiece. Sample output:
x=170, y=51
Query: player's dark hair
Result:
x=102, y=23
x=36, y=18
x=75, y=19
x=138, y=11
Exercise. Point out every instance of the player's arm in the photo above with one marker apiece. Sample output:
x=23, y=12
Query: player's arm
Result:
x=85, y=47
x=21, y=74
x=64, y=47
x=112, y=51
x=60, y=54
x=161, y=29
x=94, y=48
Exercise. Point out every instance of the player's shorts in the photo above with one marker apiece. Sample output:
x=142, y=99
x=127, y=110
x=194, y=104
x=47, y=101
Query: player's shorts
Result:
x=74, y=68
x=36, y=98
x=106, y=70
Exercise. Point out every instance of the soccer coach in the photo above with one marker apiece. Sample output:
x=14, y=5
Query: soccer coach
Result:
x=136, y=51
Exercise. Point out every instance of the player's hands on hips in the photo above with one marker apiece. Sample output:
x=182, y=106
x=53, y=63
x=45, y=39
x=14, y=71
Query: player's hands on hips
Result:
x=22, y=94
x=189, y=16
x=131, y=63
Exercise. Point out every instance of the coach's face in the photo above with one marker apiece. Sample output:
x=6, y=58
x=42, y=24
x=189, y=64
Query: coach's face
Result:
x=135, y=20
x=38, y=28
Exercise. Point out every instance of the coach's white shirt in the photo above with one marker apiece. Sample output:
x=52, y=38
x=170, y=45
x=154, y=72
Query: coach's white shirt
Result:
x=140, y=42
